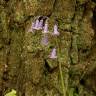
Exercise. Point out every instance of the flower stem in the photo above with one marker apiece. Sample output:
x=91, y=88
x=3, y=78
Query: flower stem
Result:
x=62, y=80
x=61, y=73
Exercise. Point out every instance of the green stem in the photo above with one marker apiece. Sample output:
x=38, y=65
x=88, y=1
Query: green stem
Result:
x=61, y=73
x=62, y=82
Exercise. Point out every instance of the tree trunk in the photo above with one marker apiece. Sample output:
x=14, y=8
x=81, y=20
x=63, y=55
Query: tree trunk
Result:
x=24, y=61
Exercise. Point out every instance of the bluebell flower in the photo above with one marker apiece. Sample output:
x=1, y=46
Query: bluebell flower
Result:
x=40, y=26
x=45, y=27
x=36, y=25
x=55, y=31
x=53, y=54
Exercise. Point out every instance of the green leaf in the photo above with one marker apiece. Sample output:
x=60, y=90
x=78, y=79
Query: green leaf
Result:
x=12, y=93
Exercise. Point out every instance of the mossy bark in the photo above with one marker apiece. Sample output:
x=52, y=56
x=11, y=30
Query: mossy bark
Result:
x=24, y=62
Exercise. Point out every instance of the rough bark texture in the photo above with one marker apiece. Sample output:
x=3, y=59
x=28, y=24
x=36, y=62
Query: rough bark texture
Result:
x=24, y=62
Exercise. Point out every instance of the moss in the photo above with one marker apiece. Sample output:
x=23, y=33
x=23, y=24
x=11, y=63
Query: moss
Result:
x=24, y=54
x=74, y=50
x=81, y=1
x=45, y=7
